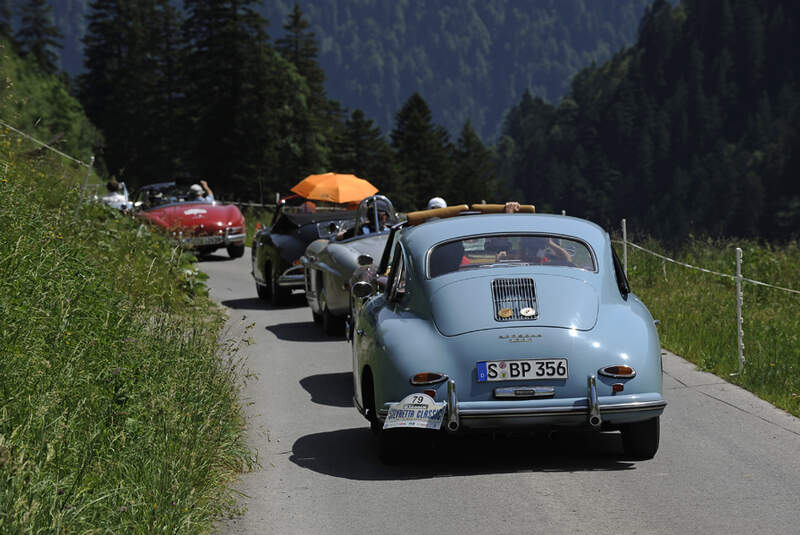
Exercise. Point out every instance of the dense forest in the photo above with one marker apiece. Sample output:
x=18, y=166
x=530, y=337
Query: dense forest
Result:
x=470, y=60
x=692, y=128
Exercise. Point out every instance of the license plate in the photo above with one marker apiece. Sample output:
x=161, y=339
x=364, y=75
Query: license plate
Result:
x=205, y=240
x=522, y=370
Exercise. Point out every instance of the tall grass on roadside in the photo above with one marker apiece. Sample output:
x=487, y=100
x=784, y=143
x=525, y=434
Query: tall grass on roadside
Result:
x=116, y=414
x=698, y=312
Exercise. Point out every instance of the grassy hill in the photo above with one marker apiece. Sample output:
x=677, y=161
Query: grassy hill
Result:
x=116, y=413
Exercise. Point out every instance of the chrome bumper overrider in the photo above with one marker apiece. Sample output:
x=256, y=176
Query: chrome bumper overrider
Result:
x=592, y=410
x=294, y=277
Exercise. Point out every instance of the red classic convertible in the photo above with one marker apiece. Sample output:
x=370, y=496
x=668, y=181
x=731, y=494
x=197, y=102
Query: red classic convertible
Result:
x=194, y=222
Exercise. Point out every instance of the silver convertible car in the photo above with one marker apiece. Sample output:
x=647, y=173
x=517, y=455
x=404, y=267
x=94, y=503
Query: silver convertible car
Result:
x=503, y=322
x=330, y=262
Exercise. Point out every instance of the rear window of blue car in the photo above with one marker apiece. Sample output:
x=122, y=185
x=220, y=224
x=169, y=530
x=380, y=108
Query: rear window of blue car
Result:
x=477, y=252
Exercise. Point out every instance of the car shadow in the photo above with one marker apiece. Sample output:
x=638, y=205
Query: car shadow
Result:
x=297, y=300
x=213, y=257
x=353, y=454
x=301, y=331
x=335, y=389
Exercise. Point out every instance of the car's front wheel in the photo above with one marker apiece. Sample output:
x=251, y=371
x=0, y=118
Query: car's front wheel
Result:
x=235, y=251
x=332, y=325
x=262, y=292
x=640, y=439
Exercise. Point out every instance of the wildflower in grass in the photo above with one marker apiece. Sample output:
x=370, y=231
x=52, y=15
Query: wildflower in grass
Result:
x=123, y=509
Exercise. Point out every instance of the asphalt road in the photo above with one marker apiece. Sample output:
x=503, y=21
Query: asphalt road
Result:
x=728, y=462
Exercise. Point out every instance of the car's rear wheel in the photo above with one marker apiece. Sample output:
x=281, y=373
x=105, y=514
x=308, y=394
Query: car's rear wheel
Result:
x=235, y=251
x=317, y=317
x=640, y=439
x=277, y=294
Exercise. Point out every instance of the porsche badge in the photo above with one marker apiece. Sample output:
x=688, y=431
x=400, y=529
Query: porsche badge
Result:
x=505, y=312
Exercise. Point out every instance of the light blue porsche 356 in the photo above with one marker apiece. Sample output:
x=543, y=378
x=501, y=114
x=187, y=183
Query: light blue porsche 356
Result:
x=475, y=320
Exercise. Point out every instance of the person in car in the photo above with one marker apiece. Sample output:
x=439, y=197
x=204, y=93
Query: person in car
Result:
x=201, y=192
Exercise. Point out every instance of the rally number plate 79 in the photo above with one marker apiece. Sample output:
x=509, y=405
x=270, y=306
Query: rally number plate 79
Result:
x=522, y=370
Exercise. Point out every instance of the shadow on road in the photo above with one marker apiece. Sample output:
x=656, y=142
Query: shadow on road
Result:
x=297, y=300
x=302, y=331
x=353, y=454
x=214, y=257
x=335, y=389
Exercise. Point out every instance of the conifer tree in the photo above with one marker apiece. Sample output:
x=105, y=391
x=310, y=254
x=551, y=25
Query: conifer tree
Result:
x=361, y=149
x=6, y=31
x=131, y=85
x=423, y=153
x=38, y=35
x=299, y=47
x=475, y=170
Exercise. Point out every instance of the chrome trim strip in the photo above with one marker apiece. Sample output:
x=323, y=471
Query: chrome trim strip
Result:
x=594, y=406
x=524, y=392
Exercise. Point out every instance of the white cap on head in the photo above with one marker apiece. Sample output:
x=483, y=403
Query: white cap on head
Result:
x=436, y=202
x=196, y=189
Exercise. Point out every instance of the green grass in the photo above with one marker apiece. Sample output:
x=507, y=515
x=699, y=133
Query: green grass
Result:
x=117, y=414
x=698, y=311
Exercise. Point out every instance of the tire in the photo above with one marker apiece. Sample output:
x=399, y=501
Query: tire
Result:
x=277, y=295
x=317, y=317
x=262, y=291
x=235, y=251
x=640, y=440
x=332, y=325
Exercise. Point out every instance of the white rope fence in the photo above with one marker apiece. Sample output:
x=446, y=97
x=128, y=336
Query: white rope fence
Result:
x=738, y=278
x=63, y=155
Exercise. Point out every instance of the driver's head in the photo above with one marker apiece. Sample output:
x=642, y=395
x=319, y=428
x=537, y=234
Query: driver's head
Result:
x=531, y=246
x=383, y=212
x=195, y=191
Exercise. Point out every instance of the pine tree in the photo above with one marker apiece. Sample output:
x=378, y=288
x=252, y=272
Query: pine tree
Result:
x=361, y=149
x=6, y=31
x=299, y=47
x=423, y=153
x=131, y=86
x=38, y=35
x=475, y=170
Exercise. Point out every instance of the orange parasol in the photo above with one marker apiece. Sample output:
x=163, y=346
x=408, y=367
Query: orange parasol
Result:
x=334, y=187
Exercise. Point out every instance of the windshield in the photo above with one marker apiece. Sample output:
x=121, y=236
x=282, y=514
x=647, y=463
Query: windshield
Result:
x=508, y=250
x=149, y=197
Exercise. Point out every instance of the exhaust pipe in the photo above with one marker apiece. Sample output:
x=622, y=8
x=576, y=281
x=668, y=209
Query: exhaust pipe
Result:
x=594, y=406
x=452, y=407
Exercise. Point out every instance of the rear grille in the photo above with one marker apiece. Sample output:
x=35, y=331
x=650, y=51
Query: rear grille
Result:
x=511, y=297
